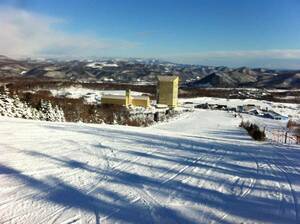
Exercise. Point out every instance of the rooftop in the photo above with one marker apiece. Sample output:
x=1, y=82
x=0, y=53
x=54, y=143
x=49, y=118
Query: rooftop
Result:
x=122, y=97
x=140, y=97
x=110, y=96
x=167, y=78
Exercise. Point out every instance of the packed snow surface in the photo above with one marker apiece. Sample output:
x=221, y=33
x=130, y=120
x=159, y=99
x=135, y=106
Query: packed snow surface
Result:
x=200, y=168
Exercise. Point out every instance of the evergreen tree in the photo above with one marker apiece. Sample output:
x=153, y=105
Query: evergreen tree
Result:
x=14, y=107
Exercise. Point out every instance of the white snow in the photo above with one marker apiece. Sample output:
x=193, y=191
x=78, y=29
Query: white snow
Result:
x=285, y=109
x=90, y=95
x=101, y=65
x=200, y=168
x=202, y=122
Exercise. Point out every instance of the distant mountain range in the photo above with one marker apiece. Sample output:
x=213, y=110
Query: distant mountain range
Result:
x=144, y=71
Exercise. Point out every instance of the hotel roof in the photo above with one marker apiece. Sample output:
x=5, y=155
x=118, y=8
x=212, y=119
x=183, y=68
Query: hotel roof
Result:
x=165, y=78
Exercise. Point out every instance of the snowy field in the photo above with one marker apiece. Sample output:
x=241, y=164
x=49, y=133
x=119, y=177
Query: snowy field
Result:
x=285, y=109
x=200, y=168
x=90, y=95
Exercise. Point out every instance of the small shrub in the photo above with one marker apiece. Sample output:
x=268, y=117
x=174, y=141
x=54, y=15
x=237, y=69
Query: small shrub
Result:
x=294, y=126
x=254, y=131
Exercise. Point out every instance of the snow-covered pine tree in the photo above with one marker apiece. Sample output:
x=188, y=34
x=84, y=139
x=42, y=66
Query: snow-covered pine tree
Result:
x=18, y=108
x=6, y=103
x=49, y=113
x=27, y=114
x=14, y=107
x=59, y=114
x=36, y=114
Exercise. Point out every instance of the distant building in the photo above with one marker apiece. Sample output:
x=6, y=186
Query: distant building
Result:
x=142, y=101
x=167, y=95
x=168, y=90
x=202, y=106
x=221, y=107
x=127, y=100
x=273, y=115
x=254, y=112
x=250, y=107
x=239, y=109
x=247, y=108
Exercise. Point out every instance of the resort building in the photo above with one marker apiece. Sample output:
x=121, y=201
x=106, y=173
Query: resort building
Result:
x=168, y=90
x=127, y=100
x=167, y=93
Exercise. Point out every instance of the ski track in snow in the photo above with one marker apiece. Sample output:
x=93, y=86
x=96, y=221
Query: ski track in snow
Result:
x=200, y=168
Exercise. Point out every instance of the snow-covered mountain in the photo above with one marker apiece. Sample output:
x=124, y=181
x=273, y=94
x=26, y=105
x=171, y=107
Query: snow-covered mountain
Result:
x=141, y=70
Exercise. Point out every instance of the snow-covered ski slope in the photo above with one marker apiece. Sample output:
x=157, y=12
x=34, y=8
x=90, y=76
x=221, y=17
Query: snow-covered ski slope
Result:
x=200, y=168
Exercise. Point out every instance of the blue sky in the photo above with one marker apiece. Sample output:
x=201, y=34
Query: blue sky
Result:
x=254, y=33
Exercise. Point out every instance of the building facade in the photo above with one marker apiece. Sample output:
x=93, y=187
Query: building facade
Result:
x=127, y=100
x=168, y=90
x=167, y=95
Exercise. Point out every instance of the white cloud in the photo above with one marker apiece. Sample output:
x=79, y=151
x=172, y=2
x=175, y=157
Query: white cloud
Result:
x=26, y=33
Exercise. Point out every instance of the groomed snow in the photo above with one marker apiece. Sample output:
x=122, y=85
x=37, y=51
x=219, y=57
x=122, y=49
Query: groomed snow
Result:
x=200, y=168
